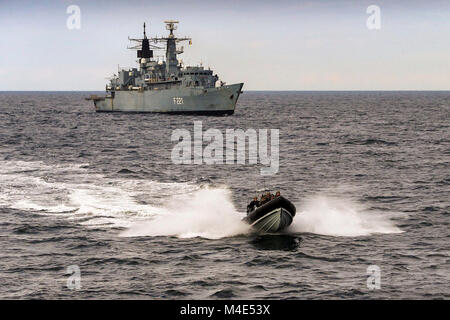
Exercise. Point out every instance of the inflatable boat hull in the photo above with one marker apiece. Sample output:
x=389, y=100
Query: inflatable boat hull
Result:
x=273, y=216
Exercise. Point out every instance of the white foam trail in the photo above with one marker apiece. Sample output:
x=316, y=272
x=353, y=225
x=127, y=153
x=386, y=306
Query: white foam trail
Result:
x=151, y=208
x=89, y=199
x=147, y=208
x=334, y=216
x=207, y=213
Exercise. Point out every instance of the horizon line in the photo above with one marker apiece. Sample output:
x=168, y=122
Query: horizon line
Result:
x=264, y=90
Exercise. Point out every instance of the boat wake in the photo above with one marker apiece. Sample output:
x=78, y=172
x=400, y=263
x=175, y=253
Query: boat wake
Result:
x=207, y=213
x=151, y=208
x=142, y=207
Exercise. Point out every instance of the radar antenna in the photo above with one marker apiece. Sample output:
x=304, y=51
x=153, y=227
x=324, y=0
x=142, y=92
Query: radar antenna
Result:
x=171, y=25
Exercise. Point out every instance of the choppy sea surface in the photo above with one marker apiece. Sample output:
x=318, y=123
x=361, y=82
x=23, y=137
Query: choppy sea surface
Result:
x=369, y=173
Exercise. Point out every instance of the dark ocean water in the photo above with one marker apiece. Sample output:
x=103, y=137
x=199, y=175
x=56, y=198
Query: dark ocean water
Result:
x=368, y=172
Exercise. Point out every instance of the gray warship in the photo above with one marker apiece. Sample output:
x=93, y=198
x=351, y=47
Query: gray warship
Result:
x=165, y=85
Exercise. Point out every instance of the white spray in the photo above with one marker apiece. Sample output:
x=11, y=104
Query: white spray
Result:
x=207, y=213
x=328, y=215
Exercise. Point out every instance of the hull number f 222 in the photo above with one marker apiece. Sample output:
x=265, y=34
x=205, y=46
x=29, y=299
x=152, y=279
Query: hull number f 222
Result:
x=178, y=100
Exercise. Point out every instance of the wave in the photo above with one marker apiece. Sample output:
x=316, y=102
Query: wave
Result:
x=371, y=141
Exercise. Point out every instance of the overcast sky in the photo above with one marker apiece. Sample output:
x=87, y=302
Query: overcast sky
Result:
x=268, y=45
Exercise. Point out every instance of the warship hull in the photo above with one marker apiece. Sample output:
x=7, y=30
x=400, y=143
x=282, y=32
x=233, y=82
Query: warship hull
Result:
x=196, y=100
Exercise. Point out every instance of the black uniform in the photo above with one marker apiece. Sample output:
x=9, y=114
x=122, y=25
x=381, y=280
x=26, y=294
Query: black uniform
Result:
x=252, y=206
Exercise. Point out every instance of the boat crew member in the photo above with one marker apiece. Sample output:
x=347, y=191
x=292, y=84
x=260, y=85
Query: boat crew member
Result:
x=262, y=200
x=265, y=198
x=253, y=205
x=277, y=194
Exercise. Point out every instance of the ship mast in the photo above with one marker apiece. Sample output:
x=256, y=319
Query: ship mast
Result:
x=143, y=47
x=171, y=49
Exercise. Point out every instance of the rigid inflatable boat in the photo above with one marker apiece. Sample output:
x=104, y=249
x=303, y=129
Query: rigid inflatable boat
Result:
x=273, y=216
